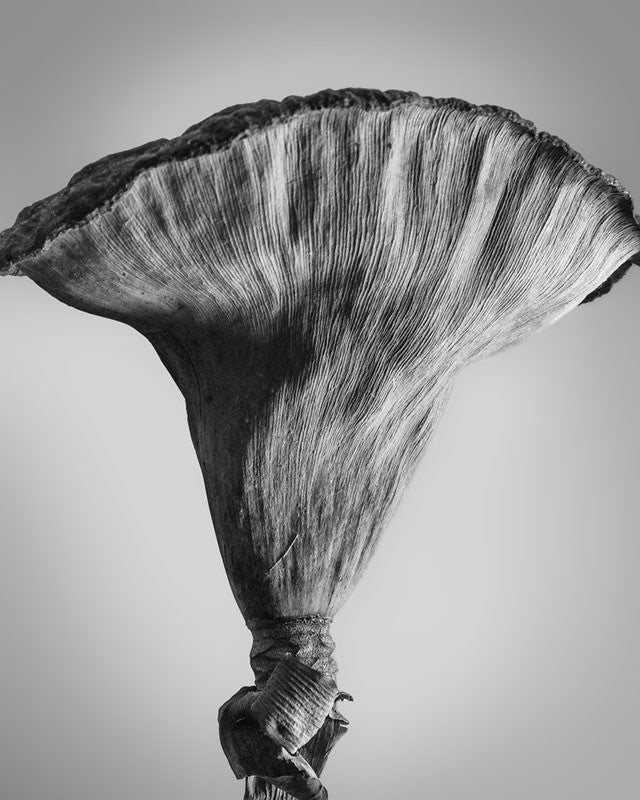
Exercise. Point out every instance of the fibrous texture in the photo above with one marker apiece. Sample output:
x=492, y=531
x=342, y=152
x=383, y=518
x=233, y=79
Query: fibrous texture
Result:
x=314, y=274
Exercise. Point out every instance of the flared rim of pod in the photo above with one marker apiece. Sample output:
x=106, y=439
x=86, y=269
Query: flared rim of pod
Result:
x=95, y=187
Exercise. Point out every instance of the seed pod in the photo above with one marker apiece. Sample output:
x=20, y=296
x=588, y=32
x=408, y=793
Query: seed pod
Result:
x=314, y=274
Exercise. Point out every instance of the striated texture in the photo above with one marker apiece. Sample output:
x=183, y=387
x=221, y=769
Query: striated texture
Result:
x=306, y=706
x=279, y=736
x=99, y=183
x=314, y=274
x=294, y=703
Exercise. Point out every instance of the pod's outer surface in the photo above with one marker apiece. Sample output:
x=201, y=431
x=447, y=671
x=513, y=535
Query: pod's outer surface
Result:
x=314, y=273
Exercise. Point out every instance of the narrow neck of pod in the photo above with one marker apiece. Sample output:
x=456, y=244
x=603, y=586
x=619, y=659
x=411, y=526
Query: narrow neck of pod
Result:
x=306, y=638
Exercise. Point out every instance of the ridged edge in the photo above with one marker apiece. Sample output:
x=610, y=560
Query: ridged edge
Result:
x=99, y=184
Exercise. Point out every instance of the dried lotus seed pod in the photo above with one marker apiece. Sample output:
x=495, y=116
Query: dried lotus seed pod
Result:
x=314, y=273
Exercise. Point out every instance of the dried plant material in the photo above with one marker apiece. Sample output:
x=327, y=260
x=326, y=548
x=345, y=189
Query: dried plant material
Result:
x=254, y=752
x=294, y=703
x=314, y=274
x=244, y=745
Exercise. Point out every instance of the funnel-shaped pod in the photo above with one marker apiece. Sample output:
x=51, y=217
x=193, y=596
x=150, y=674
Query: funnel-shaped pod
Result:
x=314, y=273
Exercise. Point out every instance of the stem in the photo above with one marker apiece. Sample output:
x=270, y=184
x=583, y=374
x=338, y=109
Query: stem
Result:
x=278, y=734
x=316, y=752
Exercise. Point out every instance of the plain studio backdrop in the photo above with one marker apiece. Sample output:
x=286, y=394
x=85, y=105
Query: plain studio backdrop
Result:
x=493, y=647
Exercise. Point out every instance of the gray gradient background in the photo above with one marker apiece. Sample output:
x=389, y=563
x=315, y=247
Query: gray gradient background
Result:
x=493, y=647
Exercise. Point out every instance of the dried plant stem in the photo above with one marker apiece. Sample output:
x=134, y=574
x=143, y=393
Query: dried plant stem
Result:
x=316, y=752
x=278, y=734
